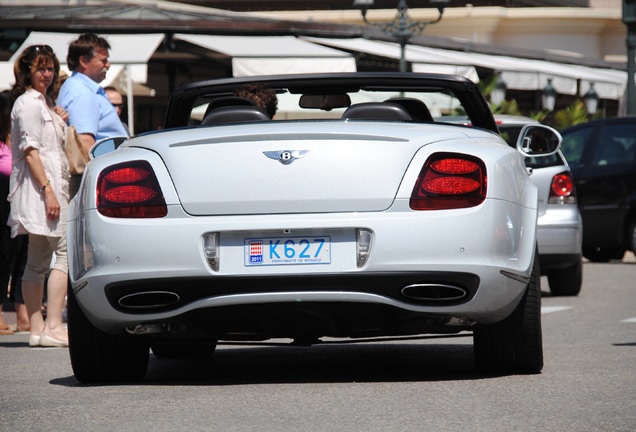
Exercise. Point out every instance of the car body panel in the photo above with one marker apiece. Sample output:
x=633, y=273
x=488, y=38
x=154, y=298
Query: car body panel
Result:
x=321, y=175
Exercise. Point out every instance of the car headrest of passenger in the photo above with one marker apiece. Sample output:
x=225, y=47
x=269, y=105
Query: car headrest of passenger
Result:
x=227, y=101
x=235, y=114
x=377, y=111
x=415, y=107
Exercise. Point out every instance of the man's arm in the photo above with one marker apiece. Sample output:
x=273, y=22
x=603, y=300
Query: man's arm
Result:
x=87, y=140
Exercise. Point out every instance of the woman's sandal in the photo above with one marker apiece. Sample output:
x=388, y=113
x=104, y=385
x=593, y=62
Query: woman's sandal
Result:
x=6, y=331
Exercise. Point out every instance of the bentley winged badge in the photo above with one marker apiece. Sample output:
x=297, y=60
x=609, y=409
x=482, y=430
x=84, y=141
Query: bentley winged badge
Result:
x=286, y=156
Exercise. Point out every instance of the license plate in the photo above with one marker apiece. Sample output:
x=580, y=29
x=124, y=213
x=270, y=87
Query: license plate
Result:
x=287, y=251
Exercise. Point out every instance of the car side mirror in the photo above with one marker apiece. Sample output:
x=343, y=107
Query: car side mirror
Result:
x=538, y=140
x=106, y=146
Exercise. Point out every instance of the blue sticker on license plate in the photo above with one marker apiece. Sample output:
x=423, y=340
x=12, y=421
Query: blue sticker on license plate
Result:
x=287, y=250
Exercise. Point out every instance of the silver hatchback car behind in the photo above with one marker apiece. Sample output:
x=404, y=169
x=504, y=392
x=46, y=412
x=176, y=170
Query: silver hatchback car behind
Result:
x=559, y=227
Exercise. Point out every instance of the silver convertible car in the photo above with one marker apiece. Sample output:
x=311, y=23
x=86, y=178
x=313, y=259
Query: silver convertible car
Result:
x=351, y=214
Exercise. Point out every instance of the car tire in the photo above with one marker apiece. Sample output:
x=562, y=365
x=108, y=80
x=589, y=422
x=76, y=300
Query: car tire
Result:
x=566, y=281
x=631, y=241
x=182, y=350
x=98, y=357
x=515, y=344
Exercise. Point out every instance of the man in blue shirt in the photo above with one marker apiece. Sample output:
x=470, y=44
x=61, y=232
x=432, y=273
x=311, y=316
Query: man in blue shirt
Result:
x=90, y=111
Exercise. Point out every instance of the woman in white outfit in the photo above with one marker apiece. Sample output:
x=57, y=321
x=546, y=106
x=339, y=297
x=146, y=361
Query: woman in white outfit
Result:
x=38, y=190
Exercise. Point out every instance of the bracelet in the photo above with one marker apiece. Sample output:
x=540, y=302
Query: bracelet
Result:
x=48, y=182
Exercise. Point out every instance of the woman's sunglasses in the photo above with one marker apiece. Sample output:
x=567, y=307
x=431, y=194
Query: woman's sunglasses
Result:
x=35, y=48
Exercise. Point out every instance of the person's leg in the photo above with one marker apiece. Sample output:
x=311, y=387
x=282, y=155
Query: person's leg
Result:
x=32, y=293
x=38, y=262
x=54, y=333
x=5, y=329
x=4, y=289
x=21, y=317
x=6, y=255
x=56, y=299
x=19, y=263
x=5, y=260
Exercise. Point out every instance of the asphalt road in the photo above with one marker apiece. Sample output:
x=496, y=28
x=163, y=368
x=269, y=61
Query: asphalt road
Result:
x=588, y=382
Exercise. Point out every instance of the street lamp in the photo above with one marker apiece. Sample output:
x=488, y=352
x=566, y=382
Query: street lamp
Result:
x=591, y=100
x=402, y=27
x=498, y=93
x=548, y=96
x=629, y=18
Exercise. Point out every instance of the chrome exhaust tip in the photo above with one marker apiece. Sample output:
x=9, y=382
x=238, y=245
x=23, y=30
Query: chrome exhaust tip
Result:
x=434, y=292
x=149, y=300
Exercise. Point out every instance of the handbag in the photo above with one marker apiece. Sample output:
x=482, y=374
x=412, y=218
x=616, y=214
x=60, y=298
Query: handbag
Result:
x=75, y=153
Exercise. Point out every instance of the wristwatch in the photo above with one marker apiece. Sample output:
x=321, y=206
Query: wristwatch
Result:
x=48, y=182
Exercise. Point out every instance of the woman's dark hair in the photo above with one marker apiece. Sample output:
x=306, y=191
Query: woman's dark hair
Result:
x=263, y=96
x=84, y=46
x=6, y=103
x=38, y=56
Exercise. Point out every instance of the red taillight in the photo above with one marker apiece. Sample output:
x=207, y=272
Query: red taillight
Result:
x=454, y=166
x=130, y=190
x=562, y=189
x=448, y=181
x=127, y=175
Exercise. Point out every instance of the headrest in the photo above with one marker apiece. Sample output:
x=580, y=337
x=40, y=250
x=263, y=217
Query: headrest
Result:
x=227, y=101
x=415, y=107
x=235, y=114
x=376, y=111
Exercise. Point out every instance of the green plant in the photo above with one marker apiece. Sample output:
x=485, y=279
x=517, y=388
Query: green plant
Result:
x=506, y=107
x=539, y=116
x=570, y=116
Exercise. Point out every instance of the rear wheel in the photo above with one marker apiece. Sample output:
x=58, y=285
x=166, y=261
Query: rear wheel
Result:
x=631, y=240
x=98, y=357
x=566, y=281
x=514, y=345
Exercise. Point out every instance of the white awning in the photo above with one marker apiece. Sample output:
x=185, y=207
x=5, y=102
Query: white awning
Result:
x=528, y=74
x=518, y=73
x=6, y=75
x=421, y=61
x=125, y=49
x=270, y=55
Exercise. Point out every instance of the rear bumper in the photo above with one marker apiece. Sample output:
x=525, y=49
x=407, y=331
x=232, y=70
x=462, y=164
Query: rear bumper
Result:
x=325, y=305
x=559, y=231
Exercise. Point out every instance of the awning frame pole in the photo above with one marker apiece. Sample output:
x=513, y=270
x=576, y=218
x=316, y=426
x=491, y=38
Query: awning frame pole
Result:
x=130, y=99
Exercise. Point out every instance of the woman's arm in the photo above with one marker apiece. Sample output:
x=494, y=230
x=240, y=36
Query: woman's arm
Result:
x=52, y=205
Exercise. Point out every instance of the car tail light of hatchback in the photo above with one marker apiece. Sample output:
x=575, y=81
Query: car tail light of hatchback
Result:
x=130, y=190
x=562, y=189
x=449, y=181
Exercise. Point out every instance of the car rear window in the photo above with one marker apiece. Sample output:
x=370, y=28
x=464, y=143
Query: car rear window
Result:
x=573, y=145
x=617, y=145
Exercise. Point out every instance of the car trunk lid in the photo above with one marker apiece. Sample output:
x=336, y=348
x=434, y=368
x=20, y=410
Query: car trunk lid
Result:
x=287, y=170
